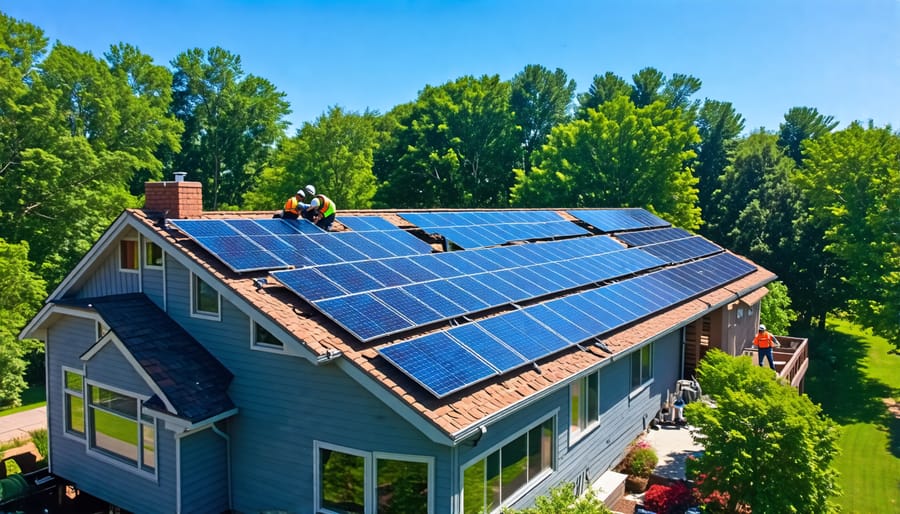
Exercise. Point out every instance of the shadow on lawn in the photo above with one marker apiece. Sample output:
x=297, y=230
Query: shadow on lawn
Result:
x=836, y=381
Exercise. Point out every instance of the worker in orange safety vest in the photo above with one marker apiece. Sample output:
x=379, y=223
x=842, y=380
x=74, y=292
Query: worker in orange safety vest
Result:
x=764, y=342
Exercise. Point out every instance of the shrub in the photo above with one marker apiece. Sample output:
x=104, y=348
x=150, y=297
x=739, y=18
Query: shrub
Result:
x=642, y=461
x=40, y=438
x=668, y=499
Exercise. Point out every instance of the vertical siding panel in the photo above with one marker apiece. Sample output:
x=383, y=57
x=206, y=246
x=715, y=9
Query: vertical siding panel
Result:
x=204, y=472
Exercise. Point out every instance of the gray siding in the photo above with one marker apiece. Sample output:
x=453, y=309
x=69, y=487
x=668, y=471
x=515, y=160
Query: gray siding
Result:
x=623, y=416
x=204, y=472
x=286, y=404
x=152, y=283
x=107, y=279
x=67, y=340
x=109, y=367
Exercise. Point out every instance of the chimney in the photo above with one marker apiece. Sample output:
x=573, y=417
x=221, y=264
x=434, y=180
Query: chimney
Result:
x=178, y=199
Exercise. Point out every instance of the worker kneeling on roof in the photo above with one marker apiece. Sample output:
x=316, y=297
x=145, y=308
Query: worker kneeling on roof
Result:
x=321, y=210
x=294, y=207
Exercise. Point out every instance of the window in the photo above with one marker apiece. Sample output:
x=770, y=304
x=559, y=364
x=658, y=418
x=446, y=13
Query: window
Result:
x=349, y=482
x=153, y=255
x=497, y=478
x=264, y=338
x=120, y=430
x=641, y=366
x=73, y=390
x=128, y=255
x=584, y=398
x=204, y=299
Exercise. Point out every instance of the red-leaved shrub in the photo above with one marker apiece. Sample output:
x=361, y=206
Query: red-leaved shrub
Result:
x=671, y=499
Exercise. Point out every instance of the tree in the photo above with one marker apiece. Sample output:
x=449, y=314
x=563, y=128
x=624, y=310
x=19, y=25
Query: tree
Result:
x=540, y=101
x=335, y=153
x=775, y=310
x=621, y=156
x=766, y=447
x=719, y=126
x=23, y=291
x=455, y=146
x=647, y=88
x=852, y=181
x=231, y=121
x=604, y=88
x=802, y=124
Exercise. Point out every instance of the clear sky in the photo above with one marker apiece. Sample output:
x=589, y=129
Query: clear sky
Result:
x=763, y=56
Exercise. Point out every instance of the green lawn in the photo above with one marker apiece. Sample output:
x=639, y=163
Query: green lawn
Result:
x=33, y=397
x=851, y=372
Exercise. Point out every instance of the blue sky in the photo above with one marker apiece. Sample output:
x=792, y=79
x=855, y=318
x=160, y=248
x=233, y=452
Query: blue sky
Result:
x=764, y=56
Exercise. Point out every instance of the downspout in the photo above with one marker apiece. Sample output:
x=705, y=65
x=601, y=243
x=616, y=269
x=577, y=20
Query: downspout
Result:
x=178, y=437
x=683, y=345
x=456, y=497
x=227, y=459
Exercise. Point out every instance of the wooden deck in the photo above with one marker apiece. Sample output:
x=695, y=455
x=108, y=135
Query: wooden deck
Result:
x=791, y=360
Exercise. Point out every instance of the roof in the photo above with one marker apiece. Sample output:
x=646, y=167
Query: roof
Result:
x=189, y=378
x=459, y=412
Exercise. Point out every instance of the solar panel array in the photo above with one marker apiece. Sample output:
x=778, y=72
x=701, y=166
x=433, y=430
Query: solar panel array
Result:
x=490, y=228
x=659, y=235
x=265, y=244
x=447, y=361
x=614, y=220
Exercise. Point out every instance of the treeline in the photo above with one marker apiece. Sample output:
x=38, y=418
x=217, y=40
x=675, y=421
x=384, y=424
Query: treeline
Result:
x=79, y=135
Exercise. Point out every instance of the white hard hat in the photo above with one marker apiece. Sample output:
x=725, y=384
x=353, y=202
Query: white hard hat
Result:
x=310, y=190
x=762, y=327
x=301, y=193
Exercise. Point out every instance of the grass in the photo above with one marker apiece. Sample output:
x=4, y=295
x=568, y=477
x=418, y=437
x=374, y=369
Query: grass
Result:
x=851, y=373
x=32, y=398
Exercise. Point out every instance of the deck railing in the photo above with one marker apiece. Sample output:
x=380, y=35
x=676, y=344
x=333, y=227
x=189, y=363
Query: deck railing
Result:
x=791, y=360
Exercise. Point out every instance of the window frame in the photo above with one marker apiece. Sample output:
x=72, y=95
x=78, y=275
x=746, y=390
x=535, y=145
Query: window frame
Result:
x=142, y=420
x=586, y=424
x=643, y=381
x=137, y=255
x=195, y=311
x=66, y=393
x=256, y=344
x=529, y=484
x=370, y=471
x=146, y=256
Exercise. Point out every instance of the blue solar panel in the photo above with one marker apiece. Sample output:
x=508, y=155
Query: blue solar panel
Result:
x=490, y=228
x=659, y=235
x=440, y=303
x=410, y=269
x=438, y=363
x=581, y=312
x=204, y=228
x=363, y=315
x=680, y=250
x=367, y=223
x=563, y=326
x=278, y=226
x=382, y=272
x=524, y=335
x=309, y=283
x=363, y=244
x=303, y=226
x=479, y=290
x=493, y=281
x=413, y=308
x=350, y=278
x=468, y=300
x=495, y=352
x=399, y=242
x=614, y=220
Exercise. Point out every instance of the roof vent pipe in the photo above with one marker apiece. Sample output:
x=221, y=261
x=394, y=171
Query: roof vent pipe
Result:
x=179, y=176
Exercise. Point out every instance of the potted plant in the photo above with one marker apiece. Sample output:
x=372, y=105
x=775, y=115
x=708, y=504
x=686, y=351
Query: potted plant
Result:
x=638, y=464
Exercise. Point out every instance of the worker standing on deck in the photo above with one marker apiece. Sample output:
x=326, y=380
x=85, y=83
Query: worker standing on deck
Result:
x=764, y=342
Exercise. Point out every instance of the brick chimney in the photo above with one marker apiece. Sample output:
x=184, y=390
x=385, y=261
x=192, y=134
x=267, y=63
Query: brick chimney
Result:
x=177, y=199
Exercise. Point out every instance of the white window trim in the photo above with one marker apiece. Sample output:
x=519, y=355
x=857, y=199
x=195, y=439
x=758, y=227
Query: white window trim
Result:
x=260, y=346
x=368, y=467
x=584, y=432
x=144, y=255
x=407, y=458
x=200, y=314
x=531, y=484
x=137, y=244
x=105, y=457
x=65, y=391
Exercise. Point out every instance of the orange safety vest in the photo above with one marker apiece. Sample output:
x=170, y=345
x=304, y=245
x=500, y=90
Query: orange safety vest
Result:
x=292, y=205
x=326, y=206
x=764, y=340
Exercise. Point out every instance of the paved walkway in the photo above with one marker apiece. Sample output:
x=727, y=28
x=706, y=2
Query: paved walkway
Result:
x=673, y=445
x=17, y=426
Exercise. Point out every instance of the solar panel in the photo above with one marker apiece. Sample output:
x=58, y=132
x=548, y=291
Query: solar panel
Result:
x=363, y=244
x=413, y=308
x=493, y=350
x=437, y=301
x=644, y=237
x=363, y=315
x=615, y=220
x=438, y=363
x=367, y=223
x=680, y=250
x=490, y=228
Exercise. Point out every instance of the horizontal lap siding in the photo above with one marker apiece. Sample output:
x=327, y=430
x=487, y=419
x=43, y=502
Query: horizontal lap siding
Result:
x=67, y=340
x=152, y=283
x=110, y=368
x=204, y=473
x=285, y=404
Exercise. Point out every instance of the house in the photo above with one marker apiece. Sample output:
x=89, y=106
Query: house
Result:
x=214, y=362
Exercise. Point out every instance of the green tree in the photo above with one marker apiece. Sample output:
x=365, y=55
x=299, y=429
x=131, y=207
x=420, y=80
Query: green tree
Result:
x=604, y=88
x=802, y=124
x=621, y=156
x=23, y=291
x=852, y=180
x=562, y=500
x=335, y=153
x=540, y=101
x=719, y=126
x=775, y=310
x=647, y=86
x=231, y=121
x=765, y=446
x=455, y=146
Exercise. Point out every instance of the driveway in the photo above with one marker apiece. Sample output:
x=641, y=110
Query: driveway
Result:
x=17, y=426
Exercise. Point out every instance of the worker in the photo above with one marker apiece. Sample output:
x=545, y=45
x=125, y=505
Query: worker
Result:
x=294, y=206
x=764, y=342
x=321, y=209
